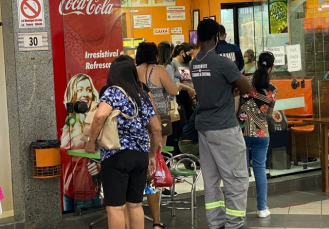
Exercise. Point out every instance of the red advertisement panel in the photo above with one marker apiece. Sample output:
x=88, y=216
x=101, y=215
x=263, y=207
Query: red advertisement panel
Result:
x=86, y=38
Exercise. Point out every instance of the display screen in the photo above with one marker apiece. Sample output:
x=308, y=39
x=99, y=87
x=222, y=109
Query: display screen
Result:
x=193, y=38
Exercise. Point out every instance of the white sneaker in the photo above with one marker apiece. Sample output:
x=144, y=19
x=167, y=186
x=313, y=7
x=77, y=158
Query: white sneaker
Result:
x=264, y=213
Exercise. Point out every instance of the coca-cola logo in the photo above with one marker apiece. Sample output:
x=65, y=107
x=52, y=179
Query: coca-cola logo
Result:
x=85, y=7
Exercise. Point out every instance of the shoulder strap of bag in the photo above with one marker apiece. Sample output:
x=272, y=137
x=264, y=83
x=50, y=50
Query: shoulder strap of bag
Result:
x=90, y=115
x=151, y=72
x=147, y=66
x=133, y=102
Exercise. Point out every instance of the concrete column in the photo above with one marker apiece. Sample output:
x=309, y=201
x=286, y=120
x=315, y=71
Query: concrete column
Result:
x=31, y=111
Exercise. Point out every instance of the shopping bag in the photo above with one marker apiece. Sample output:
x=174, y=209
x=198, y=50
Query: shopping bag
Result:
x=162, y=176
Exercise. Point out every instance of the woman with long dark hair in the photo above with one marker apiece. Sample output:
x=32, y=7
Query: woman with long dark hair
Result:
x=254, y=108
x=124, y=170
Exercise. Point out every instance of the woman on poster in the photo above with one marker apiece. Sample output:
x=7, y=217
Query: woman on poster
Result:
x=80, y=183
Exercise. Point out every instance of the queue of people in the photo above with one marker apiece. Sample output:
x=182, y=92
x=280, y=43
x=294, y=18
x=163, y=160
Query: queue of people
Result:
x=222, y=136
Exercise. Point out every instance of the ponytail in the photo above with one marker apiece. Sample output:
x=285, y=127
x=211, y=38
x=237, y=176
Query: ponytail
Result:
x=261, y=79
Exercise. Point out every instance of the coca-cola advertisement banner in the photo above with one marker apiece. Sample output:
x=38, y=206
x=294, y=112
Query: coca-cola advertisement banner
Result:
x=86, y=38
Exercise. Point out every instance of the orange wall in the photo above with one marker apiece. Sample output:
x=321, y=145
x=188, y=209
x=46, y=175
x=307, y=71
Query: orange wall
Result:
x=212, y=7
x=159, y=20
x=207, y=8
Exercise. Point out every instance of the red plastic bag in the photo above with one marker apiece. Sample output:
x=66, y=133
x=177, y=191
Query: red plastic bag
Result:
x=162, y=176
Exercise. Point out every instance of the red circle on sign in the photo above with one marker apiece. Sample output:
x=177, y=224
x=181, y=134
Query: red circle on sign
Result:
x=35, y=12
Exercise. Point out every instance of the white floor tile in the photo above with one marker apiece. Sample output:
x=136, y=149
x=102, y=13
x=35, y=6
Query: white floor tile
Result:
x=275, y=211
x=267, y=228
x=325, y=211
x=304, y=211
x=6, y=214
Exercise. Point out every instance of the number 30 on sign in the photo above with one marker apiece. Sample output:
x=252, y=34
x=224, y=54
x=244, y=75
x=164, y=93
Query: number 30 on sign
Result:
x=33, y=41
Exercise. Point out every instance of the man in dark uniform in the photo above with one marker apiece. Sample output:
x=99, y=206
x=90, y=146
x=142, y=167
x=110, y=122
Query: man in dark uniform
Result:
x=230, y=51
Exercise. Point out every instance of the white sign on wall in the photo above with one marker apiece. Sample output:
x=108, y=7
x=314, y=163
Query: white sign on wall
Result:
x=35, y=41
x=31, y=13
x=161, y=31
x=294, y=58
x=142, y=21
x=175, y=13
x=177, y=39
x=278, y=53
x=176, y=30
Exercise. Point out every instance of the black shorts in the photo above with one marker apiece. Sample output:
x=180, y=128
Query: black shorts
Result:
x=124, y=177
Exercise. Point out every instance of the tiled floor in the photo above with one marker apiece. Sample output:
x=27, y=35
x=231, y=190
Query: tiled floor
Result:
x=297, y=210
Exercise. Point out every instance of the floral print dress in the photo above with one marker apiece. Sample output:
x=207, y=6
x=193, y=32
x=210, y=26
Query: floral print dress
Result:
x=133, y=133
x=254, y=109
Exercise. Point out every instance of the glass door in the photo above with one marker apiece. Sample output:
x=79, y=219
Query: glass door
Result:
x=227, y=19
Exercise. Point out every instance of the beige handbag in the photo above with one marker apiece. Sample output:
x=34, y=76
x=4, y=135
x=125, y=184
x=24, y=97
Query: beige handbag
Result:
x=173, y=111
x=108, y=136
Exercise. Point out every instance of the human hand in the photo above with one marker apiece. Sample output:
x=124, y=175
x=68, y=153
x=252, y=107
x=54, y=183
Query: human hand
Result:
x=93, y=168
x=191, y=93
x=236, y=92
x=152, y=165
x=91, y=147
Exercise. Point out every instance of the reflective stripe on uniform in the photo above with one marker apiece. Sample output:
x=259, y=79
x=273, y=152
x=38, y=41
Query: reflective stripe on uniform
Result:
x=237, y=213
x=216, y=204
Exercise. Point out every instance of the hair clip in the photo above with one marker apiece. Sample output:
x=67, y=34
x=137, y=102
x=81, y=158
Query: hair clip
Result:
x=264, y=63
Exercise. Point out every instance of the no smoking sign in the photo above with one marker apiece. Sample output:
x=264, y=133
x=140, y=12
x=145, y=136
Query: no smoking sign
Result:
x=31, y=13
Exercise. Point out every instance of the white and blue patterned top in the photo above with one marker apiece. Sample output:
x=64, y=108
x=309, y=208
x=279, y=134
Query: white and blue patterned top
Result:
x=133, y=133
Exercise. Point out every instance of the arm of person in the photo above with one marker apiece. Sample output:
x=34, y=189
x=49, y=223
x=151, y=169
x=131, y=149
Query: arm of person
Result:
x=165, y=80
x=189, y=90
x=154, y=128
x=103, y=111
x=242, y=84
x=234, y=76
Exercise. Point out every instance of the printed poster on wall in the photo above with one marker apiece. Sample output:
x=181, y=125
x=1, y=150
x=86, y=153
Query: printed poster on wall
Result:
x=161, y=31
x=177, y=39
x=176, y=30
x=141, y=3
x=279, y=54
x=142, y=21
x=176, y=13
x=85, y=44
x=278, y=17
x=294, y=58
x=31, y=13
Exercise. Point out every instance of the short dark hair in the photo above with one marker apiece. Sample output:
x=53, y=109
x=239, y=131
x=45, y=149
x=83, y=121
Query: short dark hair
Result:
x=207, y=29
x=123, y=73
x=146, y=53
x=183, y=46
x=222, y=30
